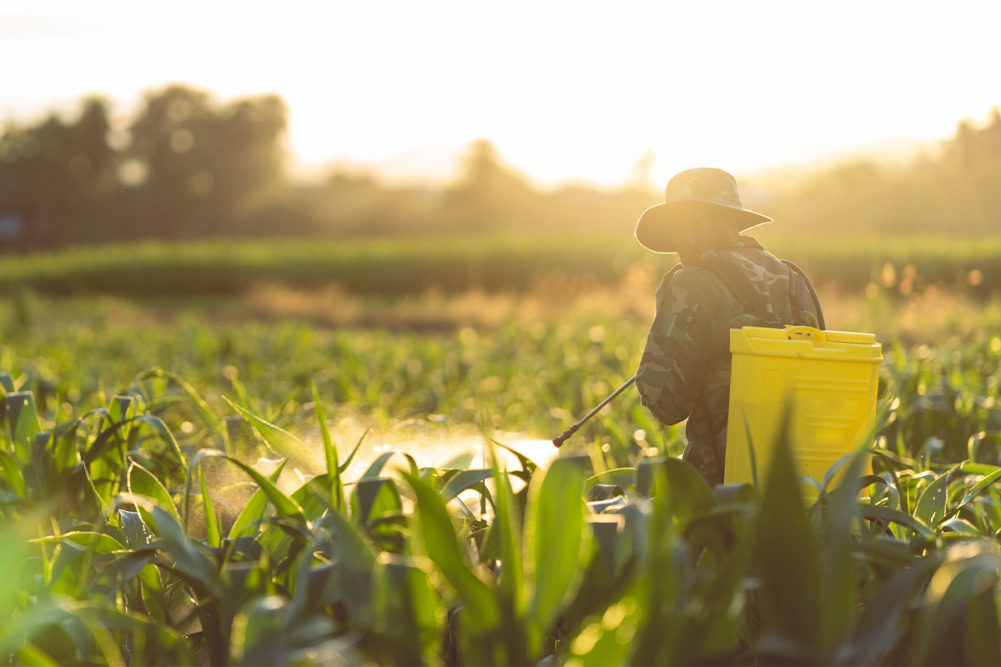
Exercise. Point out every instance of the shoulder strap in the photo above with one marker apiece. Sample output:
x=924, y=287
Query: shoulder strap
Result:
x=740, y=286
x=809, y=286
x=669, y=275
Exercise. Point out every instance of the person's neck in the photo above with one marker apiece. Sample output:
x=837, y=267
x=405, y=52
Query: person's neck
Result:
x=692, y=252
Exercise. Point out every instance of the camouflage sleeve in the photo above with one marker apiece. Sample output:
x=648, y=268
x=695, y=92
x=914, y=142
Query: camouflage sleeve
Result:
x=670, y=372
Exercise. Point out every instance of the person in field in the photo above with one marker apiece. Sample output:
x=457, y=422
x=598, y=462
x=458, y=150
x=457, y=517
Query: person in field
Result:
x=725, y=280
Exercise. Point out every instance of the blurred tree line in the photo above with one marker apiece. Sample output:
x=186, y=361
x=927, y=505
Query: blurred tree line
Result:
x=953, y=187
x=182, y=166
x=186, y=165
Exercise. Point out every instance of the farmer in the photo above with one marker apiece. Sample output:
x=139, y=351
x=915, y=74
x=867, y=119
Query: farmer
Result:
x=724, y=281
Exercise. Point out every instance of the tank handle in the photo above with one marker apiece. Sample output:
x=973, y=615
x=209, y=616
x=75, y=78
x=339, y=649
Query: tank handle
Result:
x=804, y=332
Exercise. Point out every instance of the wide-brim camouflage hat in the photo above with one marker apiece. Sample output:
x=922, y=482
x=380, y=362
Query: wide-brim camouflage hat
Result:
x=692, y=197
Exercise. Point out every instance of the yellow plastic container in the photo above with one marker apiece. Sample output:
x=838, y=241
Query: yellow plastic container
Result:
x=826, y=379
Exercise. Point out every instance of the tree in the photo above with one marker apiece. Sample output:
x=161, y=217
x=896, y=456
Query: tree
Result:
x=65, y=172
x=489, y=195
x=199, y=166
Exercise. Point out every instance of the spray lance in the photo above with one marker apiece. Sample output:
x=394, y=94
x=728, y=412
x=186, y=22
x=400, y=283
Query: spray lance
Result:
x=558, y=441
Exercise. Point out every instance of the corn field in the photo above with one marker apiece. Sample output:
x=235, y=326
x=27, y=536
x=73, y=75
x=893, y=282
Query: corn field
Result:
x=138, y=528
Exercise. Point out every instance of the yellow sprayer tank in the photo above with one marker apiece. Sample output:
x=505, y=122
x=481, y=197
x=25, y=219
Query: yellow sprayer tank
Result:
x=828, y=381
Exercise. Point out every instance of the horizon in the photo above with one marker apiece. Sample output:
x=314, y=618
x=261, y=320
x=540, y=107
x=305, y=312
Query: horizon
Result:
x=567, y=96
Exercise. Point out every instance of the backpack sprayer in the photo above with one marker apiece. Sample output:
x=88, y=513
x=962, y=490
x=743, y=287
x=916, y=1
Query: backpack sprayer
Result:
x=741, y=291
x=558, y=441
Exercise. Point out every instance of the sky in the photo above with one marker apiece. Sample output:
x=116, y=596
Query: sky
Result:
x=567, y=92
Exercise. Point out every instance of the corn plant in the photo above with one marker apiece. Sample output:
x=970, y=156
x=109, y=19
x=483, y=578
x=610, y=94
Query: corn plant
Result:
x=125, y=544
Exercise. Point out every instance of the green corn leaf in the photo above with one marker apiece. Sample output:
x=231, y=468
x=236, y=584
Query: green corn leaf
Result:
x=980, y=487
x=314, y=497
x=931, y=505
x=440, y=543
x=330, y=454
x=784, y=556
x=31, y=655
x=412, y=462
x=153, y=594
x=973, y=468
x=163, y=644
x=351, y=456
x=892, y=465
x=714, y=528
x=96, y=451
x=407, y=610
x=70, y=569
x=375, y=469
x=142, y=482
x=350, y=546
x=837, y=541
x=254, y=510
x=163, y=431
x=687, y=491
x=12, y=475
x=463, y=481
x=90, y=627
x=278, y=439
x=959, y=621
x=188, y=558
x=881, y=624
x=136, y=535
x=8, y=498
x=90, y=540
x=508, y=527
x=554, y=541
x=961, y=527
x=22, y=420
x=624, y=477
x=887, y=514
x=75, y=638
x=527, y=465
x=65, y=455
x=120, y=409
x=284, y=505
x=373, y=498
x=259, y=633
x=211, y=519
x=196, y=463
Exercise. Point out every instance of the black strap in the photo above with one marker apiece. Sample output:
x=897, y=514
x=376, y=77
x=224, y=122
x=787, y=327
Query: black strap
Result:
x=813, y=292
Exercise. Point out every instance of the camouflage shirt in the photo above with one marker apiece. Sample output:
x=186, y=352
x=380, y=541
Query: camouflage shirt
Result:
x=685, y=368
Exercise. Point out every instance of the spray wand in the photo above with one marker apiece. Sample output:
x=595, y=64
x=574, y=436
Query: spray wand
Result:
x=573, y=429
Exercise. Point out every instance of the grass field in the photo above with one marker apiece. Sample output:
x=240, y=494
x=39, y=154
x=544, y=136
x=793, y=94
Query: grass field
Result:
x=132, y=538
x=410, y=266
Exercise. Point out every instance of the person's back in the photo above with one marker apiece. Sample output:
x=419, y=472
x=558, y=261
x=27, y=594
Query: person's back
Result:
x=727, y=281
x=685, y=369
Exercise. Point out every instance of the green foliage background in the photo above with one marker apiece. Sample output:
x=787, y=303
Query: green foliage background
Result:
x=141, y=525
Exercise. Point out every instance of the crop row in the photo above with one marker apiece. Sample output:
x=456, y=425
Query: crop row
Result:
x=137, y=530
x=401, y=266
x=122, y=545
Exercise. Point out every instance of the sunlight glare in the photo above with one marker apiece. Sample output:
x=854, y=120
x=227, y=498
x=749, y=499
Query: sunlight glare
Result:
x=566, y=92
